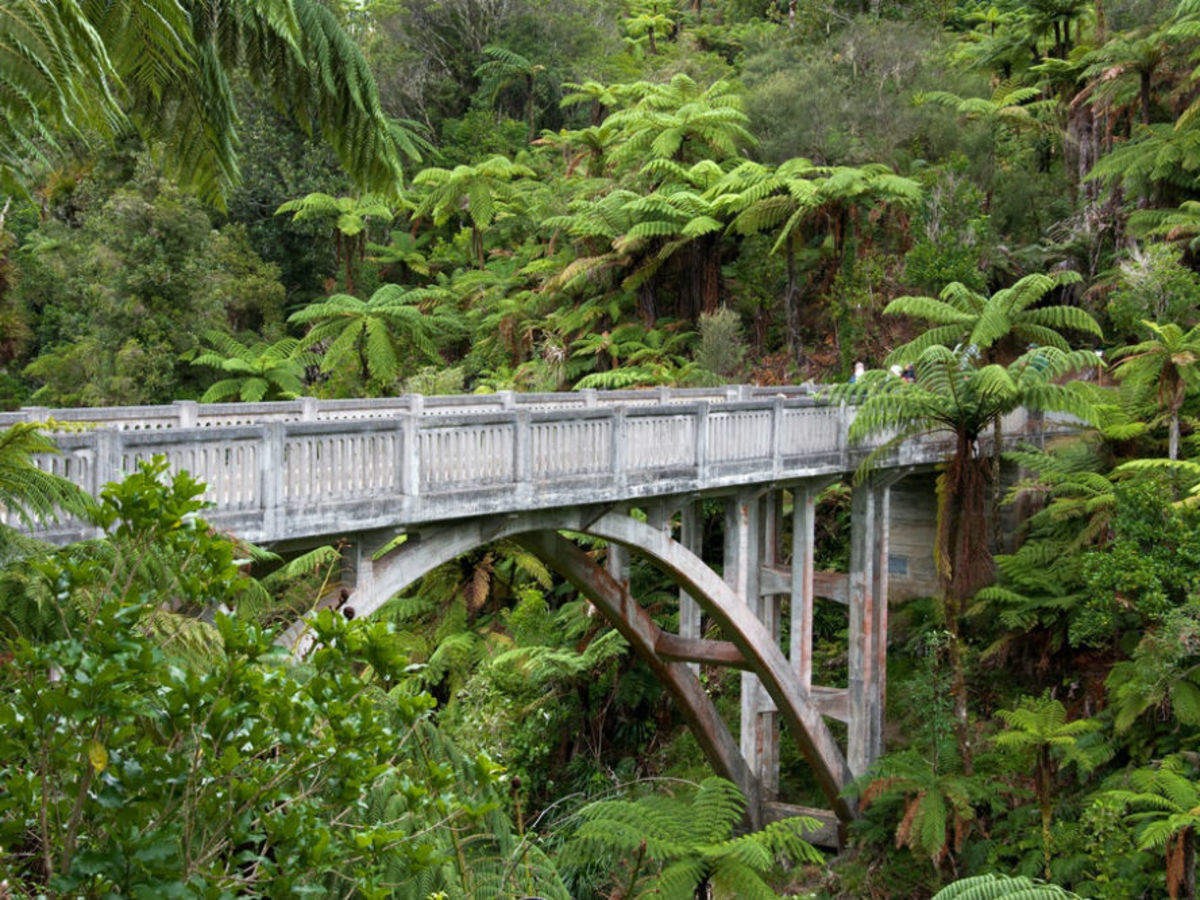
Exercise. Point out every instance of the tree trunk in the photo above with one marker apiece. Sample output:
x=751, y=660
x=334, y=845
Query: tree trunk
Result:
x=791, y=305
x=1189, y=864
x=1045, y=794
x=1181, y=865
x=964, y=562
x=363, y=365
x=1145, y=94
x=529, y=107
x=1173, y=437
x=711, y=257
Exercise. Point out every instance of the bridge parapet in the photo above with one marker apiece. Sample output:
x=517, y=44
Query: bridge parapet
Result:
x=304, y=469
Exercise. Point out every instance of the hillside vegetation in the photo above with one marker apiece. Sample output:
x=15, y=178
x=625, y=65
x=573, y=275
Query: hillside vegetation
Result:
x=269, y=199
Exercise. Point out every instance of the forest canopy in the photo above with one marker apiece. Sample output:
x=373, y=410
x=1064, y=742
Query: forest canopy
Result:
x=988, y=206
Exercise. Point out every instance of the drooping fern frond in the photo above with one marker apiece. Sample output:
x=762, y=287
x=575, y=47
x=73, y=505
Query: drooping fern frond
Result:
x=30, y=493
x=666, y=846
x=994, y=886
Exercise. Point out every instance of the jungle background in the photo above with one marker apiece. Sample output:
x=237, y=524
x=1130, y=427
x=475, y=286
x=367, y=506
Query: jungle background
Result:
x=263, y=200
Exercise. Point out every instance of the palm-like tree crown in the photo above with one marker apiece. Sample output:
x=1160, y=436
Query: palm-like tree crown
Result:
x=681, y=121
x=1010, y=315
x=952, y=394
x=256, y=371
x=372, y=334
x=1164, y=365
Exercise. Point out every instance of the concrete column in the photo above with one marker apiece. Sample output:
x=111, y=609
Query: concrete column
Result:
x=410, y=474
x=741, y=565
x=868, y=623
x=188, y=412
x=358, y=567
x=767, y=724
x=616, y=560
x=691, y=535
x=803, y=520
x=883, y=527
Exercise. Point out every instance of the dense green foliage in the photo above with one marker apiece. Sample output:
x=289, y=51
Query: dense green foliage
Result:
x=557, y=194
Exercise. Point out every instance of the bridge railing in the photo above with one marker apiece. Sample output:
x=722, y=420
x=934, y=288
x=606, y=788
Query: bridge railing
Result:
x=190, y=414
x=307, y=468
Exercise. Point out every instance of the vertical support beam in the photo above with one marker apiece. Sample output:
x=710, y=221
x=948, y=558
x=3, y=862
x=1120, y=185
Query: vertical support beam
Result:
x=883, y=527
x=767, y=720
x=803, y=522
x=868, y=623
x=691, y=535
x=358, y=564
x=523, y=455
x=741, y=565
x=701, y=443
x=188, y=412
x=616, y=558
x=107, y=465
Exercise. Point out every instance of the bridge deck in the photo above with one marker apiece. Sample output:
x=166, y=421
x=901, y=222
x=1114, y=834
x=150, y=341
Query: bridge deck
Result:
x=307, y=468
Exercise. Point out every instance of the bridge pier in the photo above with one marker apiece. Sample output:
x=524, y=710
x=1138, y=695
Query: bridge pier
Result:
x=691, y=535
x=756, y=567
x=869, y=525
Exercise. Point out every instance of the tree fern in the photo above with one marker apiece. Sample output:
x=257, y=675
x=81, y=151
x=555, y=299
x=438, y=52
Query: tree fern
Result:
x=1002, y=887
x=377, y=336
x=257, y=371
x=29, y=493
x=1008, y=317
x=1165, y=801
x=674, y=848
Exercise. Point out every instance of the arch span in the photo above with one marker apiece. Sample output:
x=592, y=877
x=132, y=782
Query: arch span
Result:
x=432, y=547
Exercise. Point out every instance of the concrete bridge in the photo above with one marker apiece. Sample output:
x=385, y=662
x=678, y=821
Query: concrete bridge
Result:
x=456, y=473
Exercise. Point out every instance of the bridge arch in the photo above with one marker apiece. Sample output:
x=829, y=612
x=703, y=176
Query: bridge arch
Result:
x=381, y=579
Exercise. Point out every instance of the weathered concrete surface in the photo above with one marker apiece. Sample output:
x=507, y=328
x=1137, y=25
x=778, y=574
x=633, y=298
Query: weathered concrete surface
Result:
x=307, y=469
x=429, y=548
x=456, y=473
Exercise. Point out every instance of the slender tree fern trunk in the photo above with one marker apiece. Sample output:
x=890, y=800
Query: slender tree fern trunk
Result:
x=791, y=302
x=529, y=107
x=711, y=256
x=1181, y=865
x=1189, y=864
x=997, y=443
x=1173, y=436
x=964, y=563
x=1044, y=775
x=364, y=367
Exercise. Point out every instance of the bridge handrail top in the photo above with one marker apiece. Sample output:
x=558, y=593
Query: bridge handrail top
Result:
x=185, y=414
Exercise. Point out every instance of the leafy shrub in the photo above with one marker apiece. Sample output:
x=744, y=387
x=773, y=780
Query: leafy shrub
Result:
x=722, y=347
